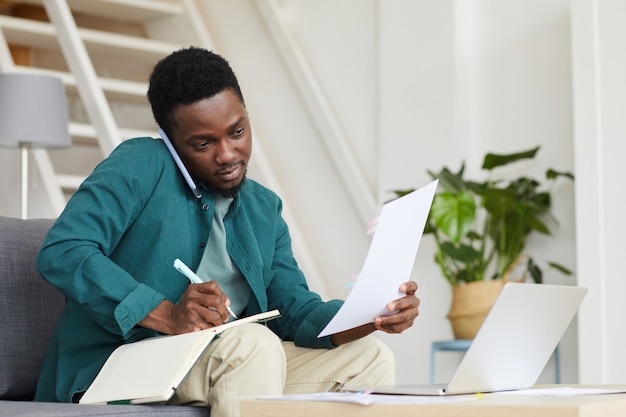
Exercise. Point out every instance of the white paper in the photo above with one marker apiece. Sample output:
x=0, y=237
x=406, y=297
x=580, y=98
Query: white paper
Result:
x=564, y=391
x=389, y=261
x=367, y=399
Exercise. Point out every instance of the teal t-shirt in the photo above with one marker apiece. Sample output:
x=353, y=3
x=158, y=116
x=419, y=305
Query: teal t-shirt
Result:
x=217, y=265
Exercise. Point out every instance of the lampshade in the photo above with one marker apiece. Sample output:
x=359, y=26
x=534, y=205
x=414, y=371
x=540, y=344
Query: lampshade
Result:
x=33, y=111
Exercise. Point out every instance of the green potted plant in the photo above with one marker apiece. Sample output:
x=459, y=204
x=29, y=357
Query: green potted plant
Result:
x=480, y=230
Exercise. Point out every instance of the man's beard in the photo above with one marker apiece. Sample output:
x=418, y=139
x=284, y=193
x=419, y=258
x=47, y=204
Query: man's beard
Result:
x=229, y=192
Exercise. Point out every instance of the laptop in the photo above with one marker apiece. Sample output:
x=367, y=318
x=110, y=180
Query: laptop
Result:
x=513, y=345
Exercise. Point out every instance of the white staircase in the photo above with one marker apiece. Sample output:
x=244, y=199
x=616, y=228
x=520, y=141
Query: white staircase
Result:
x=103, y=51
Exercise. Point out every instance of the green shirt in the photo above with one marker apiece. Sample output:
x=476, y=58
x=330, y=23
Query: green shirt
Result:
x=111, y=253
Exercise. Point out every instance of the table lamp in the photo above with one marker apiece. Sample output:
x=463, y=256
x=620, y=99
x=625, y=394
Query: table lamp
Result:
x=33, y=113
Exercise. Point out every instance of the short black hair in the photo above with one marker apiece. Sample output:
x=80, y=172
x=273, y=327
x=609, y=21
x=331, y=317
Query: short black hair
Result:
x=185, y=77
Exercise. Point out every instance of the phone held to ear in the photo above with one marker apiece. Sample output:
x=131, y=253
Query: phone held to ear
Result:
x=180, y=164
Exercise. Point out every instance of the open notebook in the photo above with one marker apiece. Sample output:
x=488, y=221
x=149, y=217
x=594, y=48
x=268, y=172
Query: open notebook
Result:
x=150, y=370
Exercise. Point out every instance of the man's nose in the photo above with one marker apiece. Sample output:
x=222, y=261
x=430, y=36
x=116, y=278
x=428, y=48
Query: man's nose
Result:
x=225, y=152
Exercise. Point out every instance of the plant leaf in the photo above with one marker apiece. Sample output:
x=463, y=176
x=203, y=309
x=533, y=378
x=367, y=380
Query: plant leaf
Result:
x=462, y=253
x=539, y=226
x=449, y=181
x=552, y=174
x=402, y=193
x=560, y=267
x=535, y=271
x=493, y=160
x=453, y=214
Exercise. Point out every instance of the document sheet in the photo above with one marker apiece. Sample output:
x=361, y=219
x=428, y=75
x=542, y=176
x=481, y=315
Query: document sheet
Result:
x=389, y=260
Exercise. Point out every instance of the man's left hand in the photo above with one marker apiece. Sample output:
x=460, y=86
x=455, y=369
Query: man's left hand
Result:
x=406, y=310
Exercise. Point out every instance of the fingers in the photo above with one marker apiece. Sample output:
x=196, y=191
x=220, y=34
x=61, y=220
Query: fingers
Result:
x=211, y=295
x=397, y=322
x=202, y=306
x=408, y=288
x=191, y=318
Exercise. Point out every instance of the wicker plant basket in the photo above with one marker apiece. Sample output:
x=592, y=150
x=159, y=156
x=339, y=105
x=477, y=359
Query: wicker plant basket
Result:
x=470, y=304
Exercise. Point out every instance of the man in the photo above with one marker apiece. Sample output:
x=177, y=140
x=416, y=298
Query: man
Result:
x=111, y=253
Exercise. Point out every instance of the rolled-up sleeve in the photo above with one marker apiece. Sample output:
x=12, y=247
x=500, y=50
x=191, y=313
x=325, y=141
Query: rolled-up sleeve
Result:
x=314, y=323
x=135, y=307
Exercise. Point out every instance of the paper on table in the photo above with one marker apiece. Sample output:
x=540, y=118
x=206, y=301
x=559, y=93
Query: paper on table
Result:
x=564, y=391
x=367, y=399
x=389, y=260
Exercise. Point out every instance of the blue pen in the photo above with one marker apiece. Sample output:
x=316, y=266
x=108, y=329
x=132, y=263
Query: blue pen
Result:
x=195, y=279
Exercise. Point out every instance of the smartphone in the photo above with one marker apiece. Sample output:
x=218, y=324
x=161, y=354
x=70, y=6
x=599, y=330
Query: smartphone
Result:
x=180, y=164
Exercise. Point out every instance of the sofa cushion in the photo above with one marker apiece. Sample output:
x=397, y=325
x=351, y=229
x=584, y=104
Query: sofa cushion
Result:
x=29, y=307
x=31, y=409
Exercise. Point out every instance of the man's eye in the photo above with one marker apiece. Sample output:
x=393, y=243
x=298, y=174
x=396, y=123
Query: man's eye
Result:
x=203, y=145
x=238, y=132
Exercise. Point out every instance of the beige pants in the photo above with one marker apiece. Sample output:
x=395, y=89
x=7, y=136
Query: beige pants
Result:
x=250, y=360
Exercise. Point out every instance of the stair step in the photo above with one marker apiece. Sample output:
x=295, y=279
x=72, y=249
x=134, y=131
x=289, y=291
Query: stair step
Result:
x=114, y=89
x=132, y=10
x=85, y=134
x=70, y=182
x=129, y=10
x=28, y=32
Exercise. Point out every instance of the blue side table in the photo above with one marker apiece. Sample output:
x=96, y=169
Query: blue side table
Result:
x=463, y=345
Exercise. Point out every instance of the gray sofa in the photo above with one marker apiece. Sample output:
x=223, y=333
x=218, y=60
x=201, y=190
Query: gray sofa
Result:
x=29, y=308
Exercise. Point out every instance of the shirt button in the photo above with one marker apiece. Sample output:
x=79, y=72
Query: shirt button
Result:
x=202, y=245
x=205, y=207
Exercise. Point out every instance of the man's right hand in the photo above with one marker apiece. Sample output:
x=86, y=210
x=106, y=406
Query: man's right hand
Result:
x=202, y=306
